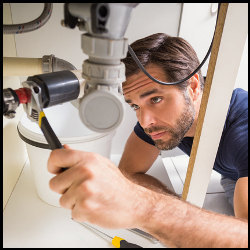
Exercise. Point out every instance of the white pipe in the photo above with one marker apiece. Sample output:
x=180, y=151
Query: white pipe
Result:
x=20, y=66
x=16, y=66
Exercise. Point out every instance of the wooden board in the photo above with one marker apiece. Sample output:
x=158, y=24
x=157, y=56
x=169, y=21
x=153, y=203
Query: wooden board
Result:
x=223, y=67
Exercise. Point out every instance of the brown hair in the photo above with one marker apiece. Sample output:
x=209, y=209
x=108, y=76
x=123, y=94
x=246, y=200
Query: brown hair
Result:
x=174, y=54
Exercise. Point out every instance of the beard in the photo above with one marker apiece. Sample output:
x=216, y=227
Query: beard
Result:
x=183, y=124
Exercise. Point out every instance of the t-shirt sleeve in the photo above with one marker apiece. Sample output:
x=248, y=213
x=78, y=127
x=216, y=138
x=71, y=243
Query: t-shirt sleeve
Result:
x=236, y=145
x=141, y=134
x=236, y=136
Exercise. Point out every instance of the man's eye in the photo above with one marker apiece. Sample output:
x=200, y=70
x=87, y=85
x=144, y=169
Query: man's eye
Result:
x=134, y=106
x=156, y=99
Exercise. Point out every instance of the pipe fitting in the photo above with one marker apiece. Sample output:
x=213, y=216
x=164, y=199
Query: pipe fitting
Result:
x=50, y=63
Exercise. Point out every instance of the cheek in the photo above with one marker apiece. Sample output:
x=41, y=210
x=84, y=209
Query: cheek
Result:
x=171, y=110
x=137, y=115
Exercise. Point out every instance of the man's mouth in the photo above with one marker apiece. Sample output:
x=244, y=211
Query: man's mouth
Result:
x=157, y=135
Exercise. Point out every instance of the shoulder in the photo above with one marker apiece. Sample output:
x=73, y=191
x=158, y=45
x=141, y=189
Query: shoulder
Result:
x=238, y=106
x=234, y=140
x=239, y=100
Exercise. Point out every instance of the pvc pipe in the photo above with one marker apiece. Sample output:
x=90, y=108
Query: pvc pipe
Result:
x=15, y=66
x=60, y=64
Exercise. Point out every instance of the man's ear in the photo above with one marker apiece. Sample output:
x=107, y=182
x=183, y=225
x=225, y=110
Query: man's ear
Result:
x=194, y=85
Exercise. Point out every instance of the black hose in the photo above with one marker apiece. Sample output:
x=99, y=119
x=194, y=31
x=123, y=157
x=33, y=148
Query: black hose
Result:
x=132, y=53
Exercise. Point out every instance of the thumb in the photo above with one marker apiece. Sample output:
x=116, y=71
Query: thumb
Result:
x=66, y=146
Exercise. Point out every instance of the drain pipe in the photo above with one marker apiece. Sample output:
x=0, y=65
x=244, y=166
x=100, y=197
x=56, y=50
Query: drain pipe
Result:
x=18, y=66
x=14, y=66
x=30, y=26
x=52, y=64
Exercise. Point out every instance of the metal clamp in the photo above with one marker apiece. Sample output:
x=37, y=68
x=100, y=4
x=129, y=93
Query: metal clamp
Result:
x=11, y=103
x=34, y=107
x=47, y=62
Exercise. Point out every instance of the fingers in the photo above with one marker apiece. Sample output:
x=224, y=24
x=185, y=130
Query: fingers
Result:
x=84, y=209
x=68, y=199
x=63, y=158
x=72, y=176
x=77, y=212
x=66, y=146
x=83, y=193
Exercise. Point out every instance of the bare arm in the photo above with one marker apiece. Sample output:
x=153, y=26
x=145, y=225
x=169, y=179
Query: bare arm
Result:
x=177, y=223
x=241, y=198
x=87, y=188
x=137, y=158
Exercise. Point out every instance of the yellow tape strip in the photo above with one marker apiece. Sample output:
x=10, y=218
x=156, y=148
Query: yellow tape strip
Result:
x=41, y=115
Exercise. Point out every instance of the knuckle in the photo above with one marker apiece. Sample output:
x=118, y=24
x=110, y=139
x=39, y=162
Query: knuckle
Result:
x=86, y=205
x=86, y=188
x=92, y=156
x=85, y=172
x=62, y=201
x=81, y=170
x=53, y=155
x=76, y=156
x=52, y=184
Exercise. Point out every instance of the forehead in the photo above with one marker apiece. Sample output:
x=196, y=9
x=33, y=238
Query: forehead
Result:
x=138, y=83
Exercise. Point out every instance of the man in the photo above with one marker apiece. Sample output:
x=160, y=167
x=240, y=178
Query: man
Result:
x=167, y=115
x=97, y=191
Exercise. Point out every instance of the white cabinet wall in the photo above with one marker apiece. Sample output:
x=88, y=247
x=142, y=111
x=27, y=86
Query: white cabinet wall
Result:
x=197, y=27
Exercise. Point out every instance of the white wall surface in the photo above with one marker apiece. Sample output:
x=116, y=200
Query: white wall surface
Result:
x=197, y=27
x=14, y=151
x=52, y=38
x=242, y=77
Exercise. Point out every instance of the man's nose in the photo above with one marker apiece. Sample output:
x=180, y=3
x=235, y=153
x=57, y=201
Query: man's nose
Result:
x=146, y=118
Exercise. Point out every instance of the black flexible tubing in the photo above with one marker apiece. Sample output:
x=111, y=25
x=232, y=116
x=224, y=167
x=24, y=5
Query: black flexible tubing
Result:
x=132, y=53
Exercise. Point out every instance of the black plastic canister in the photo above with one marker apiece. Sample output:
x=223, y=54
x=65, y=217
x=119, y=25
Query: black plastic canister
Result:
x=57, y=87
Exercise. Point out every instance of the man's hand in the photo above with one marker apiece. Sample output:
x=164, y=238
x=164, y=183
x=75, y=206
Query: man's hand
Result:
x=94, y=189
